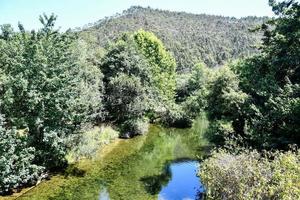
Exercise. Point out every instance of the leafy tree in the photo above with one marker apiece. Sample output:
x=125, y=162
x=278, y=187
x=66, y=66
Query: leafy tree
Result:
x=126, y=97
x=48, y=89
x=226, y=105
x=225, y=98
x=16, y=168
x=261, y=94
x=138, y=74
x=162, y=64
x=191, y=96
x=127, y=86
x=124, y=57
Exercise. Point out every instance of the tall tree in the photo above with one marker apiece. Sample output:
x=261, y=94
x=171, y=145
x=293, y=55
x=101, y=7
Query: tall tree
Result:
x=162, y=64
x=48, y=89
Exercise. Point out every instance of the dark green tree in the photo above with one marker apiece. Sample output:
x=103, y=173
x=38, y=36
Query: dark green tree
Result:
x=261, y=98
x=127, y=86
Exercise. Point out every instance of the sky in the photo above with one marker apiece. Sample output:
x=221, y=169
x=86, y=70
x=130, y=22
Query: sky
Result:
x=77, y=13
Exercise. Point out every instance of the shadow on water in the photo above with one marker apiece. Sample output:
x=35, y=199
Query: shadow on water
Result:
x=154, y=184
x=158, y=184
x=183, y=182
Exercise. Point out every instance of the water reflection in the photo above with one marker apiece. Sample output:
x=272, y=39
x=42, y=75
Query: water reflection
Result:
x=148, y=167
x=163, y=167
x=154, y=184
x=104, y=195
x=178, y=181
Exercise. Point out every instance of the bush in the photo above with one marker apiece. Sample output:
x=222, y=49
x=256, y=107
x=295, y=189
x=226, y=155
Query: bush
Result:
x=134, y=127
x=172, y=115
x=251, y=175
x=89, y=142
x=191, y=97
x=16, y=168
x=219, y=132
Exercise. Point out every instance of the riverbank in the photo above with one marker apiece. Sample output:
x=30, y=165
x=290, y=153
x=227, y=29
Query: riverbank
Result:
x=122, y=169
x=103, y=145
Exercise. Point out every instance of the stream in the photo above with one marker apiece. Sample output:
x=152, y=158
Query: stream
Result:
x=162, y=164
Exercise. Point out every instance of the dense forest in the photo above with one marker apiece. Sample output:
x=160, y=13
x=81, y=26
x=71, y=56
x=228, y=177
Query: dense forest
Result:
x=191, y=38
x=126, y=72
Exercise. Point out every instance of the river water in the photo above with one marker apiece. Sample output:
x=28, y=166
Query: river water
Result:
x=160, y=165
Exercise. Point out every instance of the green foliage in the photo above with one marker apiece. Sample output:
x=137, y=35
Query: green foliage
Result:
x=191, y=97
x=191, y=38
x=225, y=99
x=89, y=142
x=126, y=78
x=49, y=88
x=249, y=175
x=124, y=57
x=125, y=98
x=134, y=126
x=16, y=168
x=127, y=85
x=226, y=107
x=173, y=116
x=195, y=100
x=139, y=74
x=271, y=82
x=162, y=64
x=127, y=104
x=220, y=132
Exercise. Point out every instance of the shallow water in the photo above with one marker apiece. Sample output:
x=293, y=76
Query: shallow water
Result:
x=160, y=165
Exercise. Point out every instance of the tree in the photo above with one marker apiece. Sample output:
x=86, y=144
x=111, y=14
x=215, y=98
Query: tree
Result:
x=16, y=168
x=261, y=96
x=127, y=86
x=127, y=102
x=162, y=64
x=48, y=89
x=191, y=96
x=226, y=104
x=139, y=80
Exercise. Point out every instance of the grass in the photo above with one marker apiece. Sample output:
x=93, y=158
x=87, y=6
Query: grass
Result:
x=92, y=141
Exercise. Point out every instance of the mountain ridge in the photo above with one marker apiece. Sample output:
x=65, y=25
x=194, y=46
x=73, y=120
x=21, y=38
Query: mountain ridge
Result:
x=191, y=38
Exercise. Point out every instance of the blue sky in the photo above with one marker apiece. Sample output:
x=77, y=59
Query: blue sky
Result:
x=76, y=13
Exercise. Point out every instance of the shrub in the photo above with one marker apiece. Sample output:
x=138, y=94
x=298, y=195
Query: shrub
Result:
x=172, y=115
x=219, y=132
x=251, y=175
x=132, y=127
x=89, y=142
x=16, y=168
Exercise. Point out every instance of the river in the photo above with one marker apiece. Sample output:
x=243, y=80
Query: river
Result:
x=160, y=165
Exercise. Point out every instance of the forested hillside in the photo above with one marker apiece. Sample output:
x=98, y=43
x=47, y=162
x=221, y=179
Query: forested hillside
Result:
x=191, y=38
x=65, y=95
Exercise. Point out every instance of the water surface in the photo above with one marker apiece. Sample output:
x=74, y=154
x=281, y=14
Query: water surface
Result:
x=160, y=165
x=184, y=183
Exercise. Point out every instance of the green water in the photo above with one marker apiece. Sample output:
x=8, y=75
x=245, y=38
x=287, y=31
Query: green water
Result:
x=135, y=169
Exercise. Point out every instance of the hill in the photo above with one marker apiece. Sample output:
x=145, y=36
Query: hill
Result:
x=192, y=38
